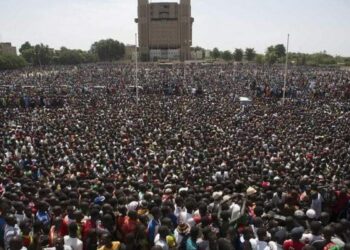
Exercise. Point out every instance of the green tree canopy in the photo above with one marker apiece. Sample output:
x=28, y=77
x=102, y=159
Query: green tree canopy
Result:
x=271, y=55
x=238, y=55
x=39, y=54
x=226, y=55
x=28, y=55
x=42, y=54
x=215, y=53
x=108, y=50
x=8, y=61
x=275, y=53
x=25, y=46
x=250, y=54
x=68, y=56
x=347, y=61
x=280, y=50
x=259, y=58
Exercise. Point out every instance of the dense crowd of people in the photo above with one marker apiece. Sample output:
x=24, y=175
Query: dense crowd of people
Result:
x=84, y=165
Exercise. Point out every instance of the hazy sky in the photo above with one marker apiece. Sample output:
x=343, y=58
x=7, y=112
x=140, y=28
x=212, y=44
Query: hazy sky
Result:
x=314, y=25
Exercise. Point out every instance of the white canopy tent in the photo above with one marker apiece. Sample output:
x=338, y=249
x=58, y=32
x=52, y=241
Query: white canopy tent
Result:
x=245, y=101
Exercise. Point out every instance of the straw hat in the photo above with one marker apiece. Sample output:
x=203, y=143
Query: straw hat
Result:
x=251, y=191
x=217, y=195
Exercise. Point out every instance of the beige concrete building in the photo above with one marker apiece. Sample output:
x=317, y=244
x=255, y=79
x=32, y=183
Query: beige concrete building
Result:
x=165, y=29
x=7, y=48
x=130, y=52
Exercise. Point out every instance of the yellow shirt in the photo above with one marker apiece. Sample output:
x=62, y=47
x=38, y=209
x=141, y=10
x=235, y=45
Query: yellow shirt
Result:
x=115, y=246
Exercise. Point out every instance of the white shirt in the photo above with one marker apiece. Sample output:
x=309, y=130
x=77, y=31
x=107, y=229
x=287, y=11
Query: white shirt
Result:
x=9, y=233
x=309, y=238
x=74, y=243
x=20, y=218
x=316, y=205
x=187, y=218
x=236, y=211
x=259, y=245
x=179, y=210
x=162, y=244
x=219, y=175
x=276, y=200
x=178, y=236
x=274, y=246
x=65, y=247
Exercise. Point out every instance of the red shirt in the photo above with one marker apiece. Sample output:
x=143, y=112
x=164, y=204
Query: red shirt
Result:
x=293, y=245
x=86, y=227
x=120, y=221
x=129, y=226
x=342, y=201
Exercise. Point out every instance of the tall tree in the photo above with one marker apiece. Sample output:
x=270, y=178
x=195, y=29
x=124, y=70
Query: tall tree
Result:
x=347, y=61
x=271, y=55
x=280, y=50
x=259, y=59
x=42, y=54
x=39, y=54
x=250, y=54
x=238, y=55
x=108, y=50
x=215, y=53
x=25, y=46
x=226, y=55
x=8, y=61
x=66, y=56
x=28, y=55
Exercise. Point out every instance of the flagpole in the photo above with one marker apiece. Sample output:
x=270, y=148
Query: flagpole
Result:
x=285, y=72
x=136, y=66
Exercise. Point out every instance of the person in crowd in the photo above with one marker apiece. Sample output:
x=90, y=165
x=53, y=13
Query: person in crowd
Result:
x=71, y=239
x=294, y=242
x=108, y=244
x=188, y=166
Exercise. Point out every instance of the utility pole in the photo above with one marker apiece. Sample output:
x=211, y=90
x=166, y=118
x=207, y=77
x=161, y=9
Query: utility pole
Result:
x=136, y=69
x=285, y=73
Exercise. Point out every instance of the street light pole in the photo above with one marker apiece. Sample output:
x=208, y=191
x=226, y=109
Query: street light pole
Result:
x=136, y=66
x=285, y=73
x=184, y=63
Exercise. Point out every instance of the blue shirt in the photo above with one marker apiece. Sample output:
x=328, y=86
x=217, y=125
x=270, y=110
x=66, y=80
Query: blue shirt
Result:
x=152, y=229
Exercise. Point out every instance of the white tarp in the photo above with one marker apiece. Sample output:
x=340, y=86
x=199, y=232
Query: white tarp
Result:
x=245, y=101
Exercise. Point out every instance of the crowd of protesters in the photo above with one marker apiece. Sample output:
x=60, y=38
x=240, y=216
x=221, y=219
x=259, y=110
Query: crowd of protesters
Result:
x=84, y=165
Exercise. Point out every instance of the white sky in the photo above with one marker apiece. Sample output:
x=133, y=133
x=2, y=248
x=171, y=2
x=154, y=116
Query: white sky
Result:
x=314, y=25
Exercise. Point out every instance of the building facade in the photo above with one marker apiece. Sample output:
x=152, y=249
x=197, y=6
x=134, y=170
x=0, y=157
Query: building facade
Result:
x=130, y=52
x=7, y=48
x=165, y=29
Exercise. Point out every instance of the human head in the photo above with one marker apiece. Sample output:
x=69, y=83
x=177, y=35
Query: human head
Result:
x=16, y=243
x=261, y=232
x=163, y=232
x=194, y=233
x=296, y=233
x=10, y=220
x=156, y=213
x=73, y=229
x=59, y=243
x=328, y=233
x=316, y=227
x=106, y=239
